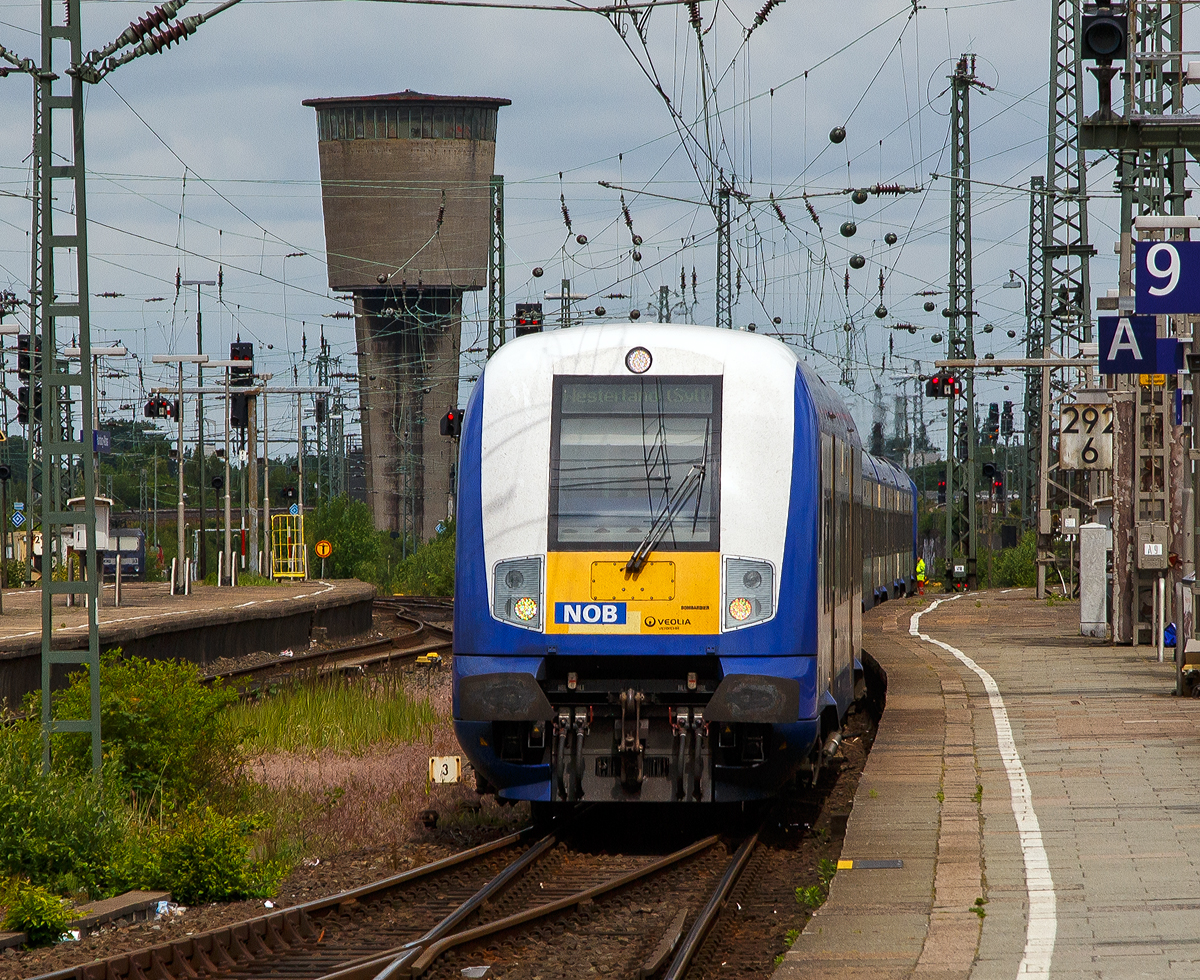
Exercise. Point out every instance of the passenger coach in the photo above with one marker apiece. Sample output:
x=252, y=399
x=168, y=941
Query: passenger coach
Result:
x=663, y=555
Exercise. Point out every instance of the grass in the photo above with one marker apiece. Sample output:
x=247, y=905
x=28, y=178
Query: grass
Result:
x=343, y=716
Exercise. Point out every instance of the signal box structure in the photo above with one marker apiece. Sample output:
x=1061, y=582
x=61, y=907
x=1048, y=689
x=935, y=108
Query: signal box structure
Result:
x=406, y=192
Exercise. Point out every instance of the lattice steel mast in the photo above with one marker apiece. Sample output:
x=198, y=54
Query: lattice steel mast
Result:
x=960, y=415
x=1066, y=251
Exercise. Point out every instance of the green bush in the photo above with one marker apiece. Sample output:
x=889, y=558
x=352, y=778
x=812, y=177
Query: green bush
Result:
x=430, y=569
x=1017, y=567
x=206, y=859
x=55, y=829
x=348, y=526
x=166, y=734
x=43, y=917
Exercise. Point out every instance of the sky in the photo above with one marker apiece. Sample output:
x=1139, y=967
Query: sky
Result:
x=202, y=157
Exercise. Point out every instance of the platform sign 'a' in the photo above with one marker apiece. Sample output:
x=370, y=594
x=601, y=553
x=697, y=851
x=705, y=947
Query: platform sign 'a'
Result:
x=1127, y=344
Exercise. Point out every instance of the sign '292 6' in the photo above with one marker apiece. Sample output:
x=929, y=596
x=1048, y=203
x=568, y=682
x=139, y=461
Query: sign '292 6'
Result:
x=1168, y=277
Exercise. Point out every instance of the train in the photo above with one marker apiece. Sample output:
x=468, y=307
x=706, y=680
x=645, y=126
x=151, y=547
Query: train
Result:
x=666, y=537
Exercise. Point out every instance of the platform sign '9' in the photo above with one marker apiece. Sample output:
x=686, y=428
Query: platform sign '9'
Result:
x=1168, y=277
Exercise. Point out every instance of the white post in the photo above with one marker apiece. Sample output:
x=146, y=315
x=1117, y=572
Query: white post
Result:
x=117, y=579
x=173, y=578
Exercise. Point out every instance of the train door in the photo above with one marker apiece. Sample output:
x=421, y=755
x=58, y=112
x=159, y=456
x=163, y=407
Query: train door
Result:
x=857, y=550
x=843, y=557
x=826, y=573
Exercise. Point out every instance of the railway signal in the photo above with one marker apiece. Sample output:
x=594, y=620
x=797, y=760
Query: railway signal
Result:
x=528, y=318
x=452, y=423
x=943, y=385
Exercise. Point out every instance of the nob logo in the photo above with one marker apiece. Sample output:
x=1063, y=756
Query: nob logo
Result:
x=600, y=613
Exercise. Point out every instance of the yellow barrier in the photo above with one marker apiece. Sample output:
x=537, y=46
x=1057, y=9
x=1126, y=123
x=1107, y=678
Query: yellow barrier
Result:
x=289, y=556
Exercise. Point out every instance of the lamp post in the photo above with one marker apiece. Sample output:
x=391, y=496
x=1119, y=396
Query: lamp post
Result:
x=1026, y=475
x=200, y=420
x=180, y=360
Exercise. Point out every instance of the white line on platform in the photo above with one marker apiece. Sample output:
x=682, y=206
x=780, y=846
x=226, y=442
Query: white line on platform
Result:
x=1043, y=918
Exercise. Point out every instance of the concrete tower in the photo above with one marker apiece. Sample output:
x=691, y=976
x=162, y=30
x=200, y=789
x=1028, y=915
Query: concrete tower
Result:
x=405, y=188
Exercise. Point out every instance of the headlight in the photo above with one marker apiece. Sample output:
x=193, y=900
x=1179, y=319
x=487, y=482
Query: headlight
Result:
x=749, y=592
x=517, y=592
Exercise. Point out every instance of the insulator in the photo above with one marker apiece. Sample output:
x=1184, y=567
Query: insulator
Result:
x=887, y=189
x=847, y=326
x=637, y=256
x=930, y=306
x=600, y=311
x=858, y=196
x=812, y=213
x=761, y=17
x=890, y=238
x=581, y=239
x=837, y=134
x=777, y=320
x=635, y=313
x=848, y=229
x=881, y=311
x=857, y=261
x=1012, y=334
x=936, y=338
x=988, y=328
x=565, y=213
x=441, y=215
x=738, y=279
x=778, y=210
x=625, y=211
x=538, y=272
x=693, y=7
x=138, y=29
x=846, y=283
x=637, y=240
x=695, y=278
x=164, y=39
x=682, y=279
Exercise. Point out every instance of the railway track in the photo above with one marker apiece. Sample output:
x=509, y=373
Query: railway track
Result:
x=503, y=904
x=423, y=637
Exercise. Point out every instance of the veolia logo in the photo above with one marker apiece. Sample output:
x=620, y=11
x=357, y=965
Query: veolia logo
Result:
x=650, y=621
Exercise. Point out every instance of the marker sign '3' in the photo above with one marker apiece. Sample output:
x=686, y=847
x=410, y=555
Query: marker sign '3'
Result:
x=1168, y=277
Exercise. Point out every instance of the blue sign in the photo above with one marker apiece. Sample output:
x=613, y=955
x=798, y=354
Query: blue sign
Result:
x=294, y=510
x=1128, y=345
x=1167, y=277
x=590, y=613
x=19, y=505
x=18, y=519
x=101, y=441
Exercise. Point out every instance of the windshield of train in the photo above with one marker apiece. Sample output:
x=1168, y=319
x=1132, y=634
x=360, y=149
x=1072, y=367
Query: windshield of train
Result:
x=635, y=457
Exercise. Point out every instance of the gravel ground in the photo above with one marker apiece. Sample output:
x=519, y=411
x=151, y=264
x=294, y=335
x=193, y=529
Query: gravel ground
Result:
x=368, y=826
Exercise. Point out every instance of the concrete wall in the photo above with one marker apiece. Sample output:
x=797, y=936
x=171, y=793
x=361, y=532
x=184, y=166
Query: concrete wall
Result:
x=381, y=200
x=408, y=380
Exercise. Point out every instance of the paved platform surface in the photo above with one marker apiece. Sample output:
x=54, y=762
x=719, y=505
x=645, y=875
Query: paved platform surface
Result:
x=1049, y=826
x=147, y=606
x=208, y=624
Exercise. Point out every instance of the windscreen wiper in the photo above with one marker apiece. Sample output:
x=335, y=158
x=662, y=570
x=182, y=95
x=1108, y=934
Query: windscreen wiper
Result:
x=683, y=493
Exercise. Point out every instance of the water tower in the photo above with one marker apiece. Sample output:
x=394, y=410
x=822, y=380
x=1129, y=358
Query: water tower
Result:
x=406, y=192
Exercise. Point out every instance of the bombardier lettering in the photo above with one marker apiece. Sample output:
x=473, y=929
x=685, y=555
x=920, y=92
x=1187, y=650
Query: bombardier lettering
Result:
x=590, y=613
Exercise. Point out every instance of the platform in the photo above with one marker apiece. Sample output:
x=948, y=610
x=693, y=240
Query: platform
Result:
x=1047, y=826
x=208, y=624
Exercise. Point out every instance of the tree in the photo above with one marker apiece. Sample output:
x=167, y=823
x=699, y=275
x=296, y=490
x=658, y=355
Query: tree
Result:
x=347, y=525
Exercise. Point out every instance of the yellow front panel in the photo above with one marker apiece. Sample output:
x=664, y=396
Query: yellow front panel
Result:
x=589, y=592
